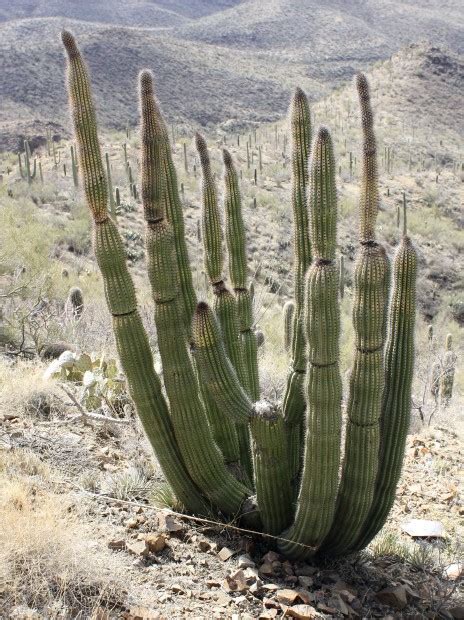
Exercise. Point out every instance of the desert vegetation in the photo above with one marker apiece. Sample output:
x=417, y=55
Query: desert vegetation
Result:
x=217, y=522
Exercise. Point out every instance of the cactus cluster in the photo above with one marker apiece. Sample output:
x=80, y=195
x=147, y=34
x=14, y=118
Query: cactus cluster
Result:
x=222, y=446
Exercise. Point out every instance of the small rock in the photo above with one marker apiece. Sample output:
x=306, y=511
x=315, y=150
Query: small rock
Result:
x=131, y=523
x=457, y=612
x=394, y=597
x=213, y=583
x=269, y=557
x=453, y=571
x=287, y=597
x=305, y=582
x=306, y=570
x=169, y=523
x=204, y=545
x=266, y=569
x=117, y=545
x=236, y=582
x=177, y=589
x=155, y=542
x=137, y=548
x=423, y=528
x=302, y=612
x=225, y=554
x=244, y=561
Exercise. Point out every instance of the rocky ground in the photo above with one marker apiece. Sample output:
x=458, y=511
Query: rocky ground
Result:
x=165, y=565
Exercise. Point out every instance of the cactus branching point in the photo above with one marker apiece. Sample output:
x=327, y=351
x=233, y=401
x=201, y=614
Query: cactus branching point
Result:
x=218, y=443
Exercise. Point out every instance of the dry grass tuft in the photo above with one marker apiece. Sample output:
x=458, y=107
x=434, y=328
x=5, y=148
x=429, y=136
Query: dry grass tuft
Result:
x=48, y=560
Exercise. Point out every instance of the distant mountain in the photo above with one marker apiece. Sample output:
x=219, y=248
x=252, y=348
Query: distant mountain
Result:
x=214, y=60
x=157, y=14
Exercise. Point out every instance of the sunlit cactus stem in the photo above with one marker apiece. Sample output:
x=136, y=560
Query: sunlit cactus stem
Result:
x=294, y=404
x=131, y=339
x=74, y=167
x=323, y=386
x=371, y=283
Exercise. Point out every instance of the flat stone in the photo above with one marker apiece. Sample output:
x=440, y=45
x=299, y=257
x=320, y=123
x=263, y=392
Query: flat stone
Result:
x=453, y=571
x=138, y=548
x=225, y=554
x=117, y=544
x=423, y=528
x=287, y=597
x=302, y=612
x=244, y=561
x=393, y=597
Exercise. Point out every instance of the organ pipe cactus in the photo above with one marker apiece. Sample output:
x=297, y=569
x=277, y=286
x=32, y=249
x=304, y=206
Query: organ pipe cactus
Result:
x=290, y=453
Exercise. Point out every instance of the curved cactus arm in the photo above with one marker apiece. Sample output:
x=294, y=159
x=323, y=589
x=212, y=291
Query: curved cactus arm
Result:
x=369, y=198
x=202, y=457
x=371, y=277
x=215, y=368
x=271, y=466
x=294, y=404
x=238, y=273
x=318, y=489
x=396, y=405
x=131, y=339
x=225, y=305
x=272, y=479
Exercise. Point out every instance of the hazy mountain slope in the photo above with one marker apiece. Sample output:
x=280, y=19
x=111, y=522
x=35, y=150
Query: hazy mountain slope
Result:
x=146, y=13
x=332, y=29
x=197, y=83
x=132, y=13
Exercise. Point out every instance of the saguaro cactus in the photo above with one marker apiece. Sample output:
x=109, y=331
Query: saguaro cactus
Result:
x=27, y=171
x=209, y=355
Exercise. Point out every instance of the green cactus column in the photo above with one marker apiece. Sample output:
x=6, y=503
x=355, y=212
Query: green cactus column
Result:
x=371, y=277
x=289, y=315
x=272, y=478
x=238, y=273
x=131, y=339
x=232, y=437
x=294, y=404
x=318, y=490
x=396, y=404
x=174, y=214
x=202, y=457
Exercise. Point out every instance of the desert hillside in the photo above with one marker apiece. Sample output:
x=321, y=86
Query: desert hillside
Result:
x=90, y=527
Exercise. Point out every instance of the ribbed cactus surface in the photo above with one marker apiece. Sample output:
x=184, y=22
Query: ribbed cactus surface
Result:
x=222, y=448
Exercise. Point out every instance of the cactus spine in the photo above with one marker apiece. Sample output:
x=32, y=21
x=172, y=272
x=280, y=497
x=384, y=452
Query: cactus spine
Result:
x=222, y=365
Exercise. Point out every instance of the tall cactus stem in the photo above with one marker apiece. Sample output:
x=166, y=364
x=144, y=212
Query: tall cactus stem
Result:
x=294, y=404
x=396, y=404
x=318, y=490
x=131, y=339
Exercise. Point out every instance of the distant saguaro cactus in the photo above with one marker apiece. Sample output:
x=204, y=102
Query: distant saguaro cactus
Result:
x=221, y=448
x=75, y=302
x=447, y=375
